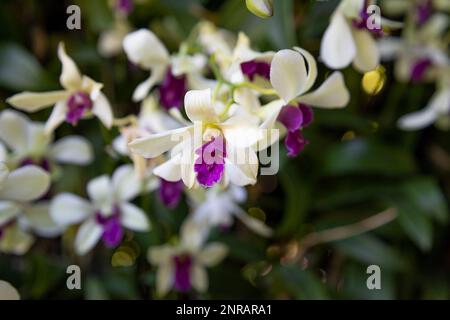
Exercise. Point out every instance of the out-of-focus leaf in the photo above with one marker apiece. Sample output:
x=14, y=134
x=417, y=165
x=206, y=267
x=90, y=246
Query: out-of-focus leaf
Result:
x=367, y=156
x=19, y=70
x=302, y=284
x=368, y=249
x=94, y=289
x=281, y=25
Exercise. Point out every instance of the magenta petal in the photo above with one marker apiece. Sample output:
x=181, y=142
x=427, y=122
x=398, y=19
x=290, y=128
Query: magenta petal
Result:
x=210, y=164
x=253, y=68
x=182, y=277
x=77, y=104
x=308, y=114
x=172, y=90
x=424, y=11
x=291, y=117
x=295, y=143
x=419, y=68
x=170, y=192
x=112, y=228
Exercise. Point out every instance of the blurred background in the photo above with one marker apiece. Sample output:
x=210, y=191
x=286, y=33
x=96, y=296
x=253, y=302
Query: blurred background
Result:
x=358, y=164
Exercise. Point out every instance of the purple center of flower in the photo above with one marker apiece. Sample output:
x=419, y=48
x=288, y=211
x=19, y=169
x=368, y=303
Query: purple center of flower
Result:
x=419, y=68
x=423, y=11
x=363, y=23
x=183, y=264
x=170, y=192
x=124, y=6
x=253, y=68
x=210, y=163
x=112, y=228
x=295, y=118
x=172, y=90
x=42, y=162
x=1, y=232
x=77, y=105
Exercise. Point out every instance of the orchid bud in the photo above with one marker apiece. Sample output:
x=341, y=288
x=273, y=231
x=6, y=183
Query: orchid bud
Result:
x=260, y=8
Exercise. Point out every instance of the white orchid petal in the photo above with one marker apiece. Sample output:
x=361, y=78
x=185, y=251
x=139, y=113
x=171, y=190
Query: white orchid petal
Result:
x=35, y=101
x=8, y=211
x=14, y=128
x=70, y=77
x=312, y=68
x=144, y=49
x=288, y=74
x=133, y=217
x=213, y=254
x=254, y=224
x=338, y=48
x=100, y=190
x=126, y=183
x=102, y=109
x=199, y=278
x=164, y=279
x=170, y=170
x=67, y=209
x=72, y=149
x=16, y=241
x=367, y=54
x=37, y=218
x=199, y=106
x=87, y=236
x=25, y=184
x=8, y=292
x=331, y=94
x=57, y=117
x=241, y=174
x=156, y=144
x=144, y=88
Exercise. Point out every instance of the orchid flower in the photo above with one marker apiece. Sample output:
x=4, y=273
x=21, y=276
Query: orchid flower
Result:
x=350, y=37
x=217, y=207
x=80, y=98
x=211, y=150
x=173, y=74
x=260, y=8
x=182, y=267
x=106, y=213
x=30, y=145
x=8, y=292
x=17, y=189
x=292, y=75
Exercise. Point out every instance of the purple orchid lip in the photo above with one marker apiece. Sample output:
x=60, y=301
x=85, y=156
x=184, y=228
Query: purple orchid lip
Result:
x=112, y=228
x=253, y=68
x=361, y=23
x=210, y=163
x=419, y=69
x=423, y=11
x=295, y=118
x=172, y=90
x=170, y=192
x=182, y=277
x=124, y=6
x=77, y=104
x=44, y=163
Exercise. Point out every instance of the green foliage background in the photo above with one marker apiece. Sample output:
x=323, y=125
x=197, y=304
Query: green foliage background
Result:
x=357, y=164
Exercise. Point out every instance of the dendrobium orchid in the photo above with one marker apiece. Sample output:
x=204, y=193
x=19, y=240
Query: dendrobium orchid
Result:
x=173, y=74
x=350, y=36
x=81, y=98
x=30, y=145
x=207, y=151
x=106, y=214
x=17, y=189
x=292, y=75
x=8, y=292
x=182, y=267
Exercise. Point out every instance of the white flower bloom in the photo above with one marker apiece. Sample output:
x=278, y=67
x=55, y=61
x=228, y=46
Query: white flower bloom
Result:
x=30, y=145
x=218, y=207
x=110, y=41
x=80, y=98
x=107, y=212
x=18, y=187
x=182, y=267
x=224, y=147
x=144, y=49
x=349, y=37
x=8, y=292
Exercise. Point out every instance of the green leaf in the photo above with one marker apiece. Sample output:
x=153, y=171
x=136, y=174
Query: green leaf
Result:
x=19, y=70
x=281, y=25
x=368, y=249
x=367, y=156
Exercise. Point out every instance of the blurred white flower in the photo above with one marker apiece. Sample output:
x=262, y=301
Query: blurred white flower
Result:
x=107, y=212
x=182, y=267
x=81, y=98
x=30, y=145
x=17, y=189
x=173, y=74
x=8, y=292
x=260, y=8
